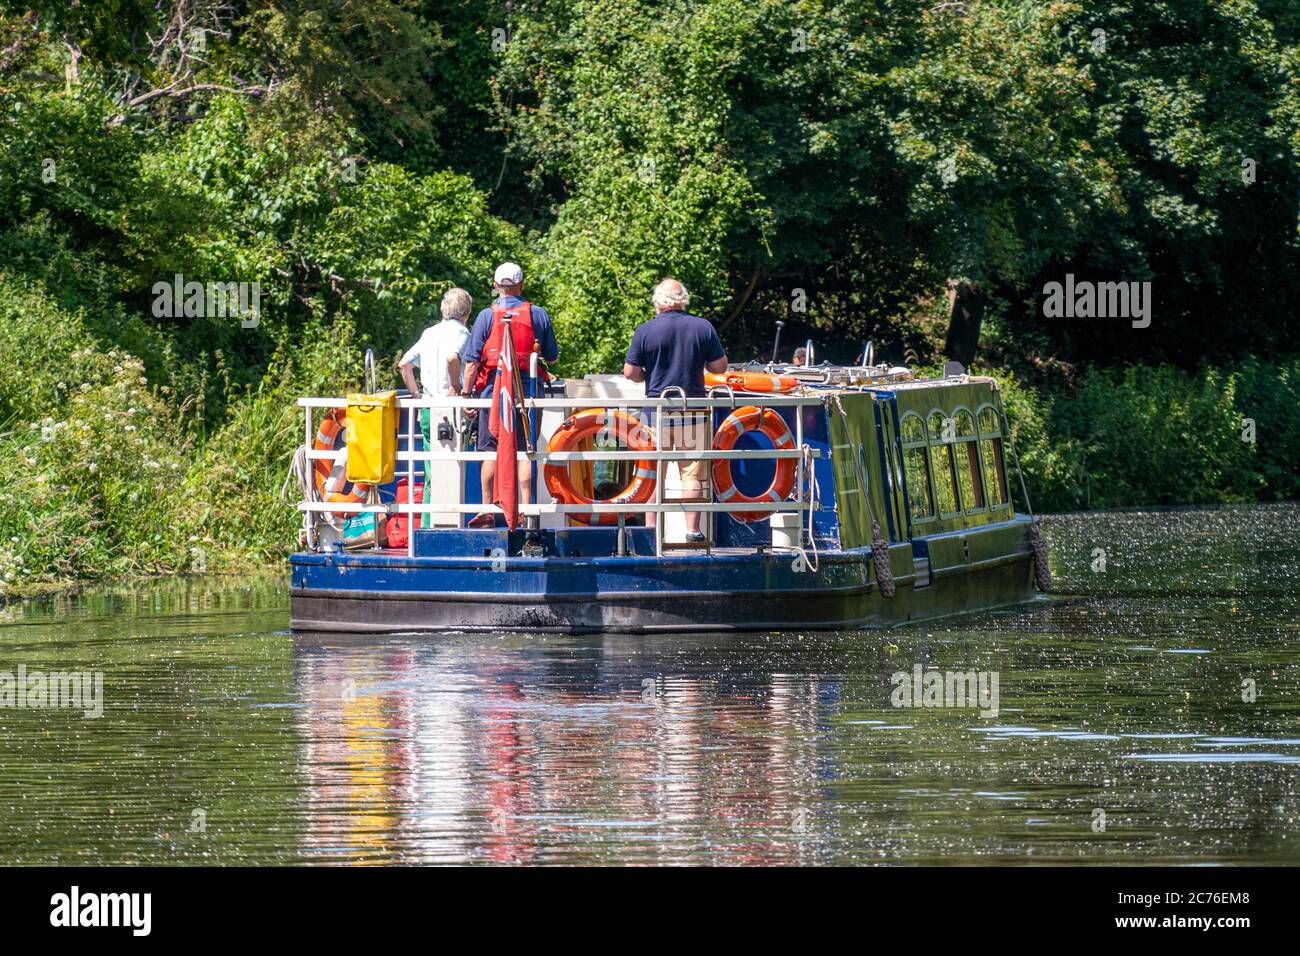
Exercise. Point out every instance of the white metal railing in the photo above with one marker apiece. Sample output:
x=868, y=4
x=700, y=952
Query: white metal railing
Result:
x=800, y=453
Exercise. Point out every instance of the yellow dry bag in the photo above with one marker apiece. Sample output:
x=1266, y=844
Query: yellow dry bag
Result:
x=372, y=437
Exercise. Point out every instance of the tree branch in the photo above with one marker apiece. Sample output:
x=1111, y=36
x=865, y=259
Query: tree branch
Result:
x=741, y=302
x=196, y=88
x=10, y=53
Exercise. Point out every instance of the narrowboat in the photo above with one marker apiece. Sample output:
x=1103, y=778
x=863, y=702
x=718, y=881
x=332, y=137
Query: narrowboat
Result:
x=834, y=497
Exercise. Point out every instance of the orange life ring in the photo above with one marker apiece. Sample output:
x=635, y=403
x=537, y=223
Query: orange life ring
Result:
x=751, y=418
x=331, y=476
x=751, y=381
x=577, y=428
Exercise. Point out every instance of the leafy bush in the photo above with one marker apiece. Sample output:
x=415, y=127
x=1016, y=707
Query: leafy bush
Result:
x=1155, y=436
x=232, y=497
x=1158, y=435
x=91, y=490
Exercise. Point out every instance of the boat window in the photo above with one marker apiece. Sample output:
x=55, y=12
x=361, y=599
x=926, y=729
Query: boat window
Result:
x=995, y=476
x=913, y=429
x=919, y=499
x=965, y=423
x=989, y=427
x=945, y=482
x=969, y=480
x=968, y=473
x=943, y=432
x=916, y=462
x=942, y=428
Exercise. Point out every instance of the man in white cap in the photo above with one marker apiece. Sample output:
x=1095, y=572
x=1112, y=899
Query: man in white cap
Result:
x=531, y=331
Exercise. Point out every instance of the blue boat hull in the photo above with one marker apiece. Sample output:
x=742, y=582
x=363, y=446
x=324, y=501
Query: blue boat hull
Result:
x=378, y=592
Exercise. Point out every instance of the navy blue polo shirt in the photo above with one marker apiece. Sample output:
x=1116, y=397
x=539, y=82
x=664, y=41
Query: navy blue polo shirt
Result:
x=673, y=348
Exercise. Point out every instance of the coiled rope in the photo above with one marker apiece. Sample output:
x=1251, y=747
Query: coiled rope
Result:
x=300, y=474
x=809, y=562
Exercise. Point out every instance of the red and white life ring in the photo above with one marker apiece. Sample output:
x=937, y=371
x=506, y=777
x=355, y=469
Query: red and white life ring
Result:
x=751, y=418
x=751, y=381
x=331, y=475
x=583, y=425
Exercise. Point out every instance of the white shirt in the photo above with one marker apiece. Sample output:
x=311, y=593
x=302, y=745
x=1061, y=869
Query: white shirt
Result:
x=431, y=354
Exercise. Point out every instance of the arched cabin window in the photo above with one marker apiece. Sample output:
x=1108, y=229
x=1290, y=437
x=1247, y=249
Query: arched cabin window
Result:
x=990, y=438
x=943, y=432
x=916, y=462
x=965, y=451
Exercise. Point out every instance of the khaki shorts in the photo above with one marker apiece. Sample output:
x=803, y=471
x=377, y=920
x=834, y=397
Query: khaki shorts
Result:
x=691, y=434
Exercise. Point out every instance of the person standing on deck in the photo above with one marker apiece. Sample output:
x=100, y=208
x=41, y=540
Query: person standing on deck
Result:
x=438, y=357
x=673, y=350
x=532, y=331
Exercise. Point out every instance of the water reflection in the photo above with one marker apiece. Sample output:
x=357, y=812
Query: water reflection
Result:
x=784, y=748
x=522, y=751
x=1152, y=715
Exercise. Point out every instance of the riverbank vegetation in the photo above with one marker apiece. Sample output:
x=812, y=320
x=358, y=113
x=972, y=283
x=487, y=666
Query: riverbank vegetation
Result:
x=915, y=174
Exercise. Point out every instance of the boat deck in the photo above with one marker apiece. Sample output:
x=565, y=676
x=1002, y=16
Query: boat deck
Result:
x=894, y=507
x=672, y=549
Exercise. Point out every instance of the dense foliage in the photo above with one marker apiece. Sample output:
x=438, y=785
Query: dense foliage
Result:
x=914, y=173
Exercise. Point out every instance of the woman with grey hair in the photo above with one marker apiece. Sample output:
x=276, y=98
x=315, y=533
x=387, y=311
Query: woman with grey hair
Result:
x=438, y=357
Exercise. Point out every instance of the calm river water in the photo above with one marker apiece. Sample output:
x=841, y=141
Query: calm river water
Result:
x=1150, y=712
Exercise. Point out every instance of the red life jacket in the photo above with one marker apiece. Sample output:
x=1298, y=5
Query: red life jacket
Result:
x=521, y=329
